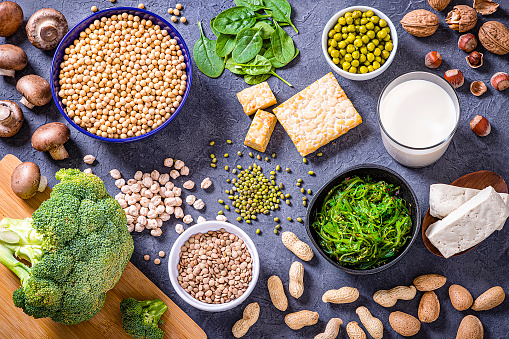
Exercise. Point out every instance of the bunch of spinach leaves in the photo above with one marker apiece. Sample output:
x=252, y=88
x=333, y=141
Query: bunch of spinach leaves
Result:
x=250, y=41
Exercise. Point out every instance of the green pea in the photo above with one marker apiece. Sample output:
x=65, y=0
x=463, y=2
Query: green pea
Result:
x=331, y=33
x=370, y=68
x=288, y=170
x=239, y=219
x=337, y=27
x=334, y=53
x=353, y=69
x=350, y=39
x=304, y=203
x=365, y=40
x=370, y=57
x=376, y=42
x=370, y=26
x=350, y=48
x=342, y=52
x=342, y=21
x=248, y=221
x=362, y=58
x=319, y=154
x=356, y=55
x=349, y=20
x=311, y=173
x=385, y=54
x=346, y=66
x=355, y=63
x=348, y=58
x=375, y=19
x=341, y=44
x=310, y=191
x=364, y=21
x=369, y=14
x=258, y=231
x=357, y=43
x=371, y=46
x=337, y=37
x=381, y=34
x=234, y=171
x=304, y=198
x=377, y=51
x=376, y=65
x=382, y=23
x=363, y=69
x=226, y=155
x=274, y=155
x=344, y=36
x=278, y=226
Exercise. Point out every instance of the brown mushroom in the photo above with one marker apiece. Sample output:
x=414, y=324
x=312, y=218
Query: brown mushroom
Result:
x=26, y=180
x=51, y=138
x=11, y=18
x=35, y=90
x=12, y=58
x=11, y=118
x=46, y=28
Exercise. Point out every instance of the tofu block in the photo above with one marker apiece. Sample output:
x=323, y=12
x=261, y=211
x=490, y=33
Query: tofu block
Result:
x=260, y=131
x=317, y=115
x=444, y=199
x=470, y=224
x=256, y=97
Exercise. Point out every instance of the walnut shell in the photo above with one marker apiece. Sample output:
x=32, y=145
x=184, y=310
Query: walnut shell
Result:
x=438, y=5
x=420, y=23
x=485, y=7
x=462, y=18
x=494, y=36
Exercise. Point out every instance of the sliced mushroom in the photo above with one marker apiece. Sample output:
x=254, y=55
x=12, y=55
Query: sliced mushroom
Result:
x=12, y=58
x=26, y=180
x=11, y=18
x=51, y=138
x=11, y=118
x=46, y=28
x=485, y=7
x=35, y=90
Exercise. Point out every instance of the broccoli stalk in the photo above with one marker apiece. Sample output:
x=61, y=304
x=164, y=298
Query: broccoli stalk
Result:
x=140, y=318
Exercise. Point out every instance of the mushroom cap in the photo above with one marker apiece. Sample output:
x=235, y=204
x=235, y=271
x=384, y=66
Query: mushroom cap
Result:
x=11, y=118
x=46, y=28
x=50, y=136
x=35, y=89
x=25, y=180
x=11, y=18
x=12, y=57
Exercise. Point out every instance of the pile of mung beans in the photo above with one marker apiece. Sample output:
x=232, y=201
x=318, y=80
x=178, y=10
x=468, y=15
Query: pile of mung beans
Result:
x=123, y=77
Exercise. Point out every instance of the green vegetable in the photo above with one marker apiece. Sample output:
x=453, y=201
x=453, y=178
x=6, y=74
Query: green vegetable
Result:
x=269, y=54
x=363, y=223
x=78, y=245
x=256, y=79
x=282, y=45
x=259, y=65
x=266, y=28
x=224, y=44
x=216, y=32
x=230, y=64
x=235, y=19
x=280, y=10
x=247, y=45
x=204, y=55
x=140, y=319
x=254, y=5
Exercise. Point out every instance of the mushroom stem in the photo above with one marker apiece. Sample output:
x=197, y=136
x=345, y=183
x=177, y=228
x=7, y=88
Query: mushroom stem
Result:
x=42, y=183
x=25, y=102
x=48, y=31
x=7, y=72
x=6, y=118
x=59, y=153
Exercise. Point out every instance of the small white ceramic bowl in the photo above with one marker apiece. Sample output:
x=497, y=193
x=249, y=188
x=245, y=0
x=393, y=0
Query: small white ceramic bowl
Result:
x=204, y=228
x=354, y=76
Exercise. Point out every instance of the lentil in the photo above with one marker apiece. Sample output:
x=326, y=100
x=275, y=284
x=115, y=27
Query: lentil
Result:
x=311, y=173
x=289, y=219
x=212, y=142
x=275, y=231
x=258, y=157
x=288, y=170
x=278, y=168
x=213, y=165
x=302, y=190
x=226, y=155
x=309, y=191
x=319, y=154
x=273, y=155
x=258, y=231
x=299, y=219
x=304, y=160
x=251, y=154
x=228, y=141
x=239, y=153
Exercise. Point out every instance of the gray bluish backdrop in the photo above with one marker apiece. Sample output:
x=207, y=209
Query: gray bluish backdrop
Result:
x=212, y=112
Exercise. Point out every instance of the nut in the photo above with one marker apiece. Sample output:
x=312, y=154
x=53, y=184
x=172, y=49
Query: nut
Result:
x=429, y=307
x=454, y=77
x=478, y=88
x=489, y=299
x=485, y=7
x=354, y=331
x=438, y=5
x=462, y=18
x=475, y=59
x=494, y=36
x=433, y=59
x=429, y=282
x=298, y=320
x=500, y=81
x=249, y=318
x=373, y=325
x=89, y=159
x=298, y=247
x=296, y=282
x=471, y=328
x=277, y=293
x=467, y=42
x=420, y=23
x=388, y=298
x=343, y=295
x=206, y=183
x=461, y=299
x=480, y=126
x=404, y=324
x=331, y=330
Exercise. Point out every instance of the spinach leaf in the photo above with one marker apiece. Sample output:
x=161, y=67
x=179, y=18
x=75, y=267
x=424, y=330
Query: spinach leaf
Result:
x=269, y=54
x=259, y=65
x=280, y=10
x=216, y=33
x=225, y=44
x=254, y=5
x=247, y=45
x=256, y=79
x=205, y=56
x=282, y=45
x=267, y=29
x=234, y=68
x=235, y=19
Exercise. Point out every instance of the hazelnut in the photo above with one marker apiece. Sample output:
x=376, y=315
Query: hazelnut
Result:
x=475, y=59
x=454, y=77
x=500, y=81
x=478, y=88
x=480, y=126
x=433, y=59
x=467, y=42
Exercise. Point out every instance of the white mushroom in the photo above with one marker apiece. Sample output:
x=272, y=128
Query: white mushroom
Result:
x=26, y=180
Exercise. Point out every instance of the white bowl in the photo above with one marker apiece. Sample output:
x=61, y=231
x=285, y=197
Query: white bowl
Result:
x=204, y=228
x=354, y=76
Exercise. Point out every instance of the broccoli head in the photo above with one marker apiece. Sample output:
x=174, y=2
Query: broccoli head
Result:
x=140, y=318
x=78, y=245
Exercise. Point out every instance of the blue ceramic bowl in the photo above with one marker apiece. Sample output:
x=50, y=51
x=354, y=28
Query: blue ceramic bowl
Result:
x=73, y=34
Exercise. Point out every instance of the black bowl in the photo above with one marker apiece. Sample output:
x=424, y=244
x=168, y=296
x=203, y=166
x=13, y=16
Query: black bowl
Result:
x=375, y=172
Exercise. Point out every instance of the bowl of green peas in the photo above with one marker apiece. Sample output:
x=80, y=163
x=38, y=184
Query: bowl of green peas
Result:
x=359, y=42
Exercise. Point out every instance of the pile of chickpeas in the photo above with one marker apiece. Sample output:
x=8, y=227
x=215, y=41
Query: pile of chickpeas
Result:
x=123, y=77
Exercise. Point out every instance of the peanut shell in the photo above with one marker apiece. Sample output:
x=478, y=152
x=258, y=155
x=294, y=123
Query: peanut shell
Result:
x=494, y=36
x=420, y=23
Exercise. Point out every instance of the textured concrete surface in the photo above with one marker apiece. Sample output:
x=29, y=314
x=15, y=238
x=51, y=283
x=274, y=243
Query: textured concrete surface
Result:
x=213, y=113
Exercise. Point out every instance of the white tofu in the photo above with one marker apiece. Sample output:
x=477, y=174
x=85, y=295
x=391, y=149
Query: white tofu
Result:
x=470, y=224
x=444, y=199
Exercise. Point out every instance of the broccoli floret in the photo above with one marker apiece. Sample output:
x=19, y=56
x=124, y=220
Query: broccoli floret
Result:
x=140, y=318
x=78, y=245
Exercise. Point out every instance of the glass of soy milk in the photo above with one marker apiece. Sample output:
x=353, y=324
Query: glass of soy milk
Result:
x=418, y=113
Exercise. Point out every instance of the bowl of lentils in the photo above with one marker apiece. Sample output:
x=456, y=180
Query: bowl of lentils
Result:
x=121, y=75
x=359, y=42
x=214, y=266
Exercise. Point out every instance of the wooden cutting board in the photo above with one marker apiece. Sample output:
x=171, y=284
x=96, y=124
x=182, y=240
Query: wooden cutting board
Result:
x=107, y=323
